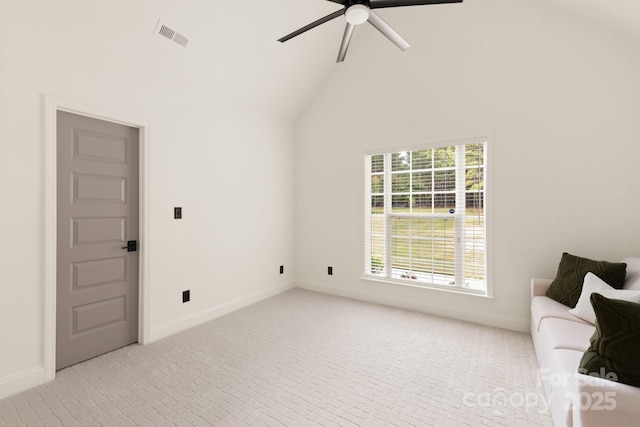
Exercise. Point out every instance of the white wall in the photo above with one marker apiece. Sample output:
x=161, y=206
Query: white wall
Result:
x=228, y=166
x=561, y=101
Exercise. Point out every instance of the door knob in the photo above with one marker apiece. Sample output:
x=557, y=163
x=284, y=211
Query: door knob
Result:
x=132, y=246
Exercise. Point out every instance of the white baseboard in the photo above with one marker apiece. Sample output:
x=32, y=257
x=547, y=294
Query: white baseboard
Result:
x=195, y=319
x=21, y=381
x=504, y=322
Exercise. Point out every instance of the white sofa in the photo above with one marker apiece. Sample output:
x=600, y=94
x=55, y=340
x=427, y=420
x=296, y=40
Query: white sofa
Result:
x=560, y=339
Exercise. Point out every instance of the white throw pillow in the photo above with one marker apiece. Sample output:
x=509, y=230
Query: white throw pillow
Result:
x=593, y=283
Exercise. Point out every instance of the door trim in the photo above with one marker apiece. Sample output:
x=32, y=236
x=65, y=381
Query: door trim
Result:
x=52, y=105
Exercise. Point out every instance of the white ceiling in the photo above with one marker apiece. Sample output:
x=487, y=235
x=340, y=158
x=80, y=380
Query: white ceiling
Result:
x=234, y=51
x=619, y=15
x=233, y=48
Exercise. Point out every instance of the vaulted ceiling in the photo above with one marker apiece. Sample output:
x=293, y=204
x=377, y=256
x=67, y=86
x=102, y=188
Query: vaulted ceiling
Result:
x=233, y=50
x=622, y=16
x=236, y=42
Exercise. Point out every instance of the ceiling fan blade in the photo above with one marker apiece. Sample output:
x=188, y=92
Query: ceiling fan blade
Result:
x=379, y=4
x=346, y=39
x=342, y=2
x=312, y=25
x=389, y=32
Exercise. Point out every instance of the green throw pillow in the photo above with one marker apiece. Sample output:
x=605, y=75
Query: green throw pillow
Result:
x=567, y=285
x=615, y=346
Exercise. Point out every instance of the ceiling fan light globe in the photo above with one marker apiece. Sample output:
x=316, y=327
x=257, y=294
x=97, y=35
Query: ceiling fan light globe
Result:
x=357, y=14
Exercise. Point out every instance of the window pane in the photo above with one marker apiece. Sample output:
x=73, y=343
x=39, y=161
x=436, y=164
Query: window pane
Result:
x=475, y=265
x=444, y=157
x=400, y=204
x=423, y=252
x=399, y=250
x=377, y=225
x=423, y=228
x=401, y=257
x=474, y=227
x=422, y=203
x=377, y=204
x=377, y=236
x=377, y=163
x=377, y=184
x=400, y=183
x=443, y=228
x=474, y=201
x=444, y=202
x=422, y=159
x=474, y=154
x=443, y=259
x=474, y=179
x=400, y=161
x=474, y=251
x=423, y=249
x=377, y=264
x=400, y=243
x=444, y=180
x=421, y=182
x=377, y=251
x=400, y=226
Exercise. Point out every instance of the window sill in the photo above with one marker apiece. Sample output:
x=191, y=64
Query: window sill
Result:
x=428, y=287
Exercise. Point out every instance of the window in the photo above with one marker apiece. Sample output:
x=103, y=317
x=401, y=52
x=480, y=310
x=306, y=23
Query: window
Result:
x=425, y=216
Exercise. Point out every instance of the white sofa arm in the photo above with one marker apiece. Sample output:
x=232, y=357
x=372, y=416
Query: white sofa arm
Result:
x=539, y=287
x=598, y=402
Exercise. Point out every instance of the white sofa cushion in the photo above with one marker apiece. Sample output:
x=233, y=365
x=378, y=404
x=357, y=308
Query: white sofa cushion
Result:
x=563, y=334
x=544, y=307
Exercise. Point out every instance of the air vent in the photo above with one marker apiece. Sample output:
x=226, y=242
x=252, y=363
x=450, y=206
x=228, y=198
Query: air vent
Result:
x=167, y=32
x=172, y=35
x=181, y=40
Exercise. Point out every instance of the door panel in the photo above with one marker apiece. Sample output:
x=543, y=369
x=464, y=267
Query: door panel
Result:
x=98, y=272
x=97, y=282
x=98, y=231
x=99, y=189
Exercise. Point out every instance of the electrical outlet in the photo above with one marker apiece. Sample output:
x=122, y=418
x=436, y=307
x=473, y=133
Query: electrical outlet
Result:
x=282, y=269
x=186, y=296
x=330, y=271
x=177, y=213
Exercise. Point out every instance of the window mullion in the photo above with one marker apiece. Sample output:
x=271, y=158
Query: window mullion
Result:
x=459, y=217
x=368, y=215
x=387, y=215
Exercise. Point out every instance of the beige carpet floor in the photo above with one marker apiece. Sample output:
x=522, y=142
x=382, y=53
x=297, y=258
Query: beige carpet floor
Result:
x=301, y=358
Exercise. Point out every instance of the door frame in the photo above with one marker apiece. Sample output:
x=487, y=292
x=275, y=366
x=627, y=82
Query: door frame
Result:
x=52, y=105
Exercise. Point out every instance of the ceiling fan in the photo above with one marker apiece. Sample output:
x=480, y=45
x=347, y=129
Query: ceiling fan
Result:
x=360, y=11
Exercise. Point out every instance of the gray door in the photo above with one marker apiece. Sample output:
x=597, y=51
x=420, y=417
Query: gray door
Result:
x=97, y=282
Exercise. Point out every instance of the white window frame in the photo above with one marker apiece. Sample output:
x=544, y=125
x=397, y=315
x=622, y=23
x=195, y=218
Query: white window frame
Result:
x=392, y=277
